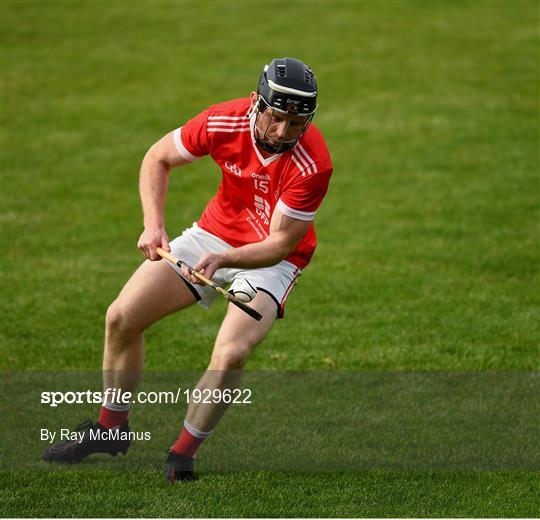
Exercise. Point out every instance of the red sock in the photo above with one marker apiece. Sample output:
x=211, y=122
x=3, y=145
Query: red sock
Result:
x=187, y=444
x=111, y=418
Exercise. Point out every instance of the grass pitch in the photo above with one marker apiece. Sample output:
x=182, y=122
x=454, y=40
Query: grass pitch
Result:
x=428, y=239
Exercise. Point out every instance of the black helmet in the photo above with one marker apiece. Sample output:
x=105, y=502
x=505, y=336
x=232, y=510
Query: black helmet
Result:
x=287, y=86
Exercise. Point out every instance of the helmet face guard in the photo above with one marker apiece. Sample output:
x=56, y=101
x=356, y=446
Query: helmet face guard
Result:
x=261, y=130
x=286, y=86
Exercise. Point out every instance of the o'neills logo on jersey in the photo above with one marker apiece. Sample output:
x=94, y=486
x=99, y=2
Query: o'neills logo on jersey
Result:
x=261, y=176
x=232, y=167
x=117, y=435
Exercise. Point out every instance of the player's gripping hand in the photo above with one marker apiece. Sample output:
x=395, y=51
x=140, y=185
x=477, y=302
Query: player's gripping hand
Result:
x=208, y=264
x=150, y=240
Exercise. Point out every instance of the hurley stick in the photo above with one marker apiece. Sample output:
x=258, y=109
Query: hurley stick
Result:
x=227, y=295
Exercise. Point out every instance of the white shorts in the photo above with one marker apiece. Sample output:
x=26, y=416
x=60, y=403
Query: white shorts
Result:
x=277, y=280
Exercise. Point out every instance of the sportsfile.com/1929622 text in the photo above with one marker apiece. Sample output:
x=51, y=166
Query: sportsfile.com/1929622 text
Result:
x=113, y=395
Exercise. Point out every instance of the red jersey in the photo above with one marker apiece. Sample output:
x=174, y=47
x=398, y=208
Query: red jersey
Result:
x=294, y=181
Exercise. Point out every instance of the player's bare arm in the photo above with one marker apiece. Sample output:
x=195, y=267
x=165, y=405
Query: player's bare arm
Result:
x=285, y=233
x=153, y=184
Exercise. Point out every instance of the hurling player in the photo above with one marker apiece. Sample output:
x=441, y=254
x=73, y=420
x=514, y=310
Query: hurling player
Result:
x=256, y=236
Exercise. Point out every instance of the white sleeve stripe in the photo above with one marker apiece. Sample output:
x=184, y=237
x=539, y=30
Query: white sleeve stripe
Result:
x=230, y=130
x=304, y=167
x=182, y=150
x=306, y=155
x=294, y=213
x=227, y=123
x=227, y=117
x=298, y=165
x=302, y=160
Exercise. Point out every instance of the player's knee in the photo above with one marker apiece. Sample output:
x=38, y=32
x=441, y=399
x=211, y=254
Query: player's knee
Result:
x=229, y=357
x=118, y=321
